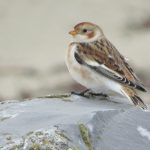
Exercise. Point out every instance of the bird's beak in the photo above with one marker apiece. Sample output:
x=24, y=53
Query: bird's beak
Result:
x=73, y=33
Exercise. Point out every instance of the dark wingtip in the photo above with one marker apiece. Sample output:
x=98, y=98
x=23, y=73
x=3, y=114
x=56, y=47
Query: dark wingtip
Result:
x=141, y=88
x=138, y=86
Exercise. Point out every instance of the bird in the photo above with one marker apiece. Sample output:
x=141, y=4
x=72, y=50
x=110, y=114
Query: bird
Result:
x=94, y=62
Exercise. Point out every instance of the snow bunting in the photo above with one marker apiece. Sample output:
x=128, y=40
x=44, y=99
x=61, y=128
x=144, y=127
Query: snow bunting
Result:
x=94, y=62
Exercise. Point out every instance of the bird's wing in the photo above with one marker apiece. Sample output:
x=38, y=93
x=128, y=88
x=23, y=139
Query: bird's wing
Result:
x=103, y=58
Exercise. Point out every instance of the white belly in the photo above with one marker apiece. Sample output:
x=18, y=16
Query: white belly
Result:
x=88, y=78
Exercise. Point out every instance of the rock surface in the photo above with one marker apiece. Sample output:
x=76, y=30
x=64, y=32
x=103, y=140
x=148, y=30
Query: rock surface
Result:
x=73, y=123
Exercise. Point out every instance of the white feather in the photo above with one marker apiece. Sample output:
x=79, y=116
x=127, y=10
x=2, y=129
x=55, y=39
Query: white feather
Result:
x=93, y=63
x=92, y=80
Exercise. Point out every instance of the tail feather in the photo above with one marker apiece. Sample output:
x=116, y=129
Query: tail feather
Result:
x=132, y=95
x=138, y=102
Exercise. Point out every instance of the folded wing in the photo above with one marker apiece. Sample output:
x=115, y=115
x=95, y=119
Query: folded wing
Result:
x=103, y=58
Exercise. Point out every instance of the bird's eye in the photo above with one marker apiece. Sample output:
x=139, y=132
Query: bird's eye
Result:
x=84, y=30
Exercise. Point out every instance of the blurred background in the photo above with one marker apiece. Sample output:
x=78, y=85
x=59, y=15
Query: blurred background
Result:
x=34, y=39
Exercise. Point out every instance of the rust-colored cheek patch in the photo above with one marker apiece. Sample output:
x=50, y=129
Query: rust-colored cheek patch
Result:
x=90, y=35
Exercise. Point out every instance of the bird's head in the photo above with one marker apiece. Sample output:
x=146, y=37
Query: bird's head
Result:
x=86, y=32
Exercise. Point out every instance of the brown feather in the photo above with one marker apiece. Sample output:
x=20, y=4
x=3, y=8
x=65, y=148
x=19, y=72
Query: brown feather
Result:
x=103, y=52
x=137, y=101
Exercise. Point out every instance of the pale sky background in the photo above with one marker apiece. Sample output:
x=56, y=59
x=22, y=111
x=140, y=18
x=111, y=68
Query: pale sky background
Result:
x=34, y=39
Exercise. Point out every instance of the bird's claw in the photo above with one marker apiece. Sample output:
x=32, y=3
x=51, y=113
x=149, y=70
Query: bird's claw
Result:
x=82, y=93
x=87, y=93
x=99, y=94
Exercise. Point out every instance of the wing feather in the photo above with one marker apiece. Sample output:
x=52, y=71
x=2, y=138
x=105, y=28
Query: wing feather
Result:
x=103, y=58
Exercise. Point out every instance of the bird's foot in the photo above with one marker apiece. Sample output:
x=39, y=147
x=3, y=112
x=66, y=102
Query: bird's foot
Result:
x=87, y=93
x=82, y=93
x=99, y=94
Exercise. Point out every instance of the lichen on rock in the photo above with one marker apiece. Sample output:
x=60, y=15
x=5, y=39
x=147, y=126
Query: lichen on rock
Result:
x=50, y=139
x=85, y=136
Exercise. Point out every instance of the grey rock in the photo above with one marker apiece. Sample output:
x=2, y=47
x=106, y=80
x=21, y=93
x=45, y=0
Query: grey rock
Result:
x=73, y=123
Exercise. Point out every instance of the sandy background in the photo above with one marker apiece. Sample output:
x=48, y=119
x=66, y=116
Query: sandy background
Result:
x=34, y=39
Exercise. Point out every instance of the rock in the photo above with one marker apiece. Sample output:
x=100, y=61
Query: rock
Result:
x=73, y=123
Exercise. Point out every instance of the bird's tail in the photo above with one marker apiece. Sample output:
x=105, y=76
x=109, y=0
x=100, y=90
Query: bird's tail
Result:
x=132, y=95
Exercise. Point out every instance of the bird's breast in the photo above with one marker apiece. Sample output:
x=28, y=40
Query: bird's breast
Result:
x=86, y=76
